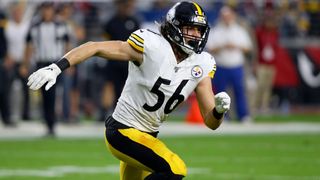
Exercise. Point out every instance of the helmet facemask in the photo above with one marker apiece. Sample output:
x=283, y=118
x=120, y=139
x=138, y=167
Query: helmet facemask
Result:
x=192, y=42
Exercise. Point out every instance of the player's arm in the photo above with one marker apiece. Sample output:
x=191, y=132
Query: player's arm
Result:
x=117, y=50
x=212, y=107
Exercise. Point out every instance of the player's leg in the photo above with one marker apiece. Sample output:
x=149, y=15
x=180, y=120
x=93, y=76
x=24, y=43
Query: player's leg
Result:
x=144, y=151
x=238, y=82
x=48, y=108
x=128, y=172
x=129, y=167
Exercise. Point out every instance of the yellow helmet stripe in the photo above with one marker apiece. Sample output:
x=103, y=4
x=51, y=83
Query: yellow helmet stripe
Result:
x=198, y=8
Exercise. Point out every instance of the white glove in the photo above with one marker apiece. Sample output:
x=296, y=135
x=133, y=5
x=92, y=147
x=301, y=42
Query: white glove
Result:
x=223, y=102
x=47, y=74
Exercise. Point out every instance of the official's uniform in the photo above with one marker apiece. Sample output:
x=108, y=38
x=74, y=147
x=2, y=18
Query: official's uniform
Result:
x=5, y=75
x=152, y=91
x=49, y=40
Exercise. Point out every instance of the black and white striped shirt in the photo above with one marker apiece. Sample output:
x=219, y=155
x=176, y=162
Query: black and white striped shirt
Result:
x=48, y=39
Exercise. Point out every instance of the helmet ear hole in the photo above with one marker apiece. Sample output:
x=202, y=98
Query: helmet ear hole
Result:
x=187, y=14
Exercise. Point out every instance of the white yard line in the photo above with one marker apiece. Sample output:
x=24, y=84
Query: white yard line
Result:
x=228, y=176
x=60, y=171
x=35, y=129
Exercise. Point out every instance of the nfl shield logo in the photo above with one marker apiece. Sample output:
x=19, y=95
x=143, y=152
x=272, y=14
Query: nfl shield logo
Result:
x=196, y=71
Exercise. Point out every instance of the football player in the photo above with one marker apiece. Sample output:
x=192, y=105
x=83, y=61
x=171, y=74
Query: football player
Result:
x=164, y=69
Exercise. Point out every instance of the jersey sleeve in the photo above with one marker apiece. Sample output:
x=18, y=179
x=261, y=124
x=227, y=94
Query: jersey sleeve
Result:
x=213, y=69
x=210, y=66
x=136, y=40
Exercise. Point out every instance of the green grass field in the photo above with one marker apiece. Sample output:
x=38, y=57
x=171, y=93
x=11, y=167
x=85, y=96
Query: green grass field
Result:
x=289, y=118
x=276, y=118
x=247, y=157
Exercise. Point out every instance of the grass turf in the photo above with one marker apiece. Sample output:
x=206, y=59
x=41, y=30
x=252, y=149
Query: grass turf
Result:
x=274, y=118
x=289, y=118
x=247, y=157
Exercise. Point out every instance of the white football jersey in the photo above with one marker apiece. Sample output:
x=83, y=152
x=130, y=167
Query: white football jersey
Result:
x=156, y=87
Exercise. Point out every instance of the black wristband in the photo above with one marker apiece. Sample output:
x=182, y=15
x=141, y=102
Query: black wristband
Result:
x=62, y=64
x=216, y=114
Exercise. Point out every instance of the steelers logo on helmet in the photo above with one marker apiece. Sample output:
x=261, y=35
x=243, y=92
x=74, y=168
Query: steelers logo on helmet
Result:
x=196, y=71
x=199, y=19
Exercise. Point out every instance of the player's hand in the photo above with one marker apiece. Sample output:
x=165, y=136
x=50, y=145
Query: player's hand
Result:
x=223, y=102
x=44, y=75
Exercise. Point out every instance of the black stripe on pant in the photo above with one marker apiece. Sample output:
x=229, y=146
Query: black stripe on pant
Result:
x=133, y=149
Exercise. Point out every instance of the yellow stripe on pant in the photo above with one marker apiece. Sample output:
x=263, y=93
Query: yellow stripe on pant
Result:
x=122, y=139
x=130, y=169
x=128, y=172
x=176, y=164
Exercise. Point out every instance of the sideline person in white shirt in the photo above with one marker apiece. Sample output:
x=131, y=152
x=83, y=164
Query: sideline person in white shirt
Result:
x=229, y=42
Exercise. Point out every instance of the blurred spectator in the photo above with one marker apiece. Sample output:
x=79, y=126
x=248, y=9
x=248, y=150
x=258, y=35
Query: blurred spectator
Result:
x=229, y=42
x=6, y=66
x=119, y=27
x=248, y=10
x=267, y=37
x=90, y=79
x=70, y=77
x=16, y=32
x=156, y=12
x=295, y=21
x=313, y=10
x=47, y=41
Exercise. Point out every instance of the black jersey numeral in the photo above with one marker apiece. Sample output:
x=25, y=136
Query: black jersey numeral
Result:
x=160, y=94
x=176, y=97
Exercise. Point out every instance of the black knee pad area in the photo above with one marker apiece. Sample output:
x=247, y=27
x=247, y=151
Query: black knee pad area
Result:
x=163, y=176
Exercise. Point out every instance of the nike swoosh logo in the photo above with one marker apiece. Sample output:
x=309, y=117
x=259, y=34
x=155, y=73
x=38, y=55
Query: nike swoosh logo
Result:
x=49, y=69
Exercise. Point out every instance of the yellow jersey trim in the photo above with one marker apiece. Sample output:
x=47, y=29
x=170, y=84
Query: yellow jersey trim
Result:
x=138, y=38
x=212, y=72
x=135, y=46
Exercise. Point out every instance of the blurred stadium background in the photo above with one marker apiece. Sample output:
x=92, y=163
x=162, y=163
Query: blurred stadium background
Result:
x=281, y=141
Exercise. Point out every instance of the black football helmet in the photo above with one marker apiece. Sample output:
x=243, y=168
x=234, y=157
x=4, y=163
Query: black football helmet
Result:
x=186, y=14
